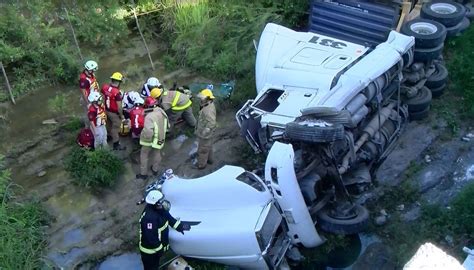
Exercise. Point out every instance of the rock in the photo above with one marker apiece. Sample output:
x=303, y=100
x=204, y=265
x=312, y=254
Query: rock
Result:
x=411, y=215
x=383, y=212
x=470, y=135
x=428, y=256
x=401, y=207
x=41, y=173
x=465, y=139
x=380, y=220
x=427, y=159
x=50, y=122
x=431, y=176
x=449, y=240
x=375, y=256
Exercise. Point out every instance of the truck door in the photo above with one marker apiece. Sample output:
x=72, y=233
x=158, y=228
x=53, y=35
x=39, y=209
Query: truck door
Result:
x=280, y=176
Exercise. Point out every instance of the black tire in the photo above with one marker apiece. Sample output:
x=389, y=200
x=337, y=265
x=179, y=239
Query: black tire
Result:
x=469, y=11
x=344, y=226
x=303, y=130
x=438, y=91
x=421, y=101
x=416, y=116
x=427, y=33
x=456, y=30
x=327, y=114
x=320, y=111
x=447, y=12
x=438, y=78
x=428, y=54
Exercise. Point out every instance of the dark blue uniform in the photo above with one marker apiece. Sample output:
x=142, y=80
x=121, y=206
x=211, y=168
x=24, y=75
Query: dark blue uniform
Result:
x=154, y=228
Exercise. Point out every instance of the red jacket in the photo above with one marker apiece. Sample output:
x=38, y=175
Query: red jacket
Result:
x=96, y=115
x=88, y=82
x=112, y=95
x=137, y=119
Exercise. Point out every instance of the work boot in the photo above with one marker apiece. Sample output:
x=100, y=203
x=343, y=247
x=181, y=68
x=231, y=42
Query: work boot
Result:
x=141, y=176
x=119, y=147
x=155, y=173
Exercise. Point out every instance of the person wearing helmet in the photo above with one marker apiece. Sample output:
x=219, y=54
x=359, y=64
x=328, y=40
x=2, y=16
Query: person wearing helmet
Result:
x=152, y=139
x=205, y=128
x=137, y=118
x=155, y=222
x=113, y=107
x=87, y=80
x=128, y=102
x=98, y=119
x=177, y=105
x=151, y=83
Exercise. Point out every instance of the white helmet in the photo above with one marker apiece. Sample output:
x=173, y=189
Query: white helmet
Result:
x=139, y=101
x=91, y=65
x=152, y=82
x=134, y=95
x=94, y=97
x=153, y=197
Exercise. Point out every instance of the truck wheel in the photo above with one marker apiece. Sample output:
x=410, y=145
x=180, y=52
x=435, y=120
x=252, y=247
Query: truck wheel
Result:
x=427, y=33
x=458, y=28
x=415, y=116
x=421, y=101
x=438, y=78
x=353, y=225
x=437, y=92
x=428, y=54
x=314, y=131
x=447, y=12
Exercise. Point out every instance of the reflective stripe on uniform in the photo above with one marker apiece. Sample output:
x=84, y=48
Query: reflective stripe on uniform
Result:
x=175, y=102
x=151, y=250
x=175, y=226
x=155, y=143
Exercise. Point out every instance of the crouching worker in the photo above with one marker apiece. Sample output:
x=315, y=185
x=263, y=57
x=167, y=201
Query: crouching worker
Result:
x=205, y=128
x=154, y=228
x=137, y=118
x=98, y=119
x=176, y=105
x=152, y=140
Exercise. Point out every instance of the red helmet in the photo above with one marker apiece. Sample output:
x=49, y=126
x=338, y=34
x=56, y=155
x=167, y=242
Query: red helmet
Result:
x=150, y=102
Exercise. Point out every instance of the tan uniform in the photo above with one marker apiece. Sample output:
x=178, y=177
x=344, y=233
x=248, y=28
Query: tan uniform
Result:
x=152, y=139
x=205, y=132
x=176, y=105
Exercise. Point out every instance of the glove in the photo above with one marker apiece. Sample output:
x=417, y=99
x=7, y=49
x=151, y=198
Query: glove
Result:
x=186, y=227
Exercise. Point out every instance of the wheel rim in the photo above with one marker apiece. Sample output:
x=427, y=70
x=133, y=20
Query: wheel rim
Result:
x=423, y=28
x=443, y=8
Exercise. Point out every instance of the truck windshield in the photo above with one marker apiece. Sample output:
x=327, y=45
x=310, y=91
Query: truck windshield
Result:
x=269, y=101
x=251, y=180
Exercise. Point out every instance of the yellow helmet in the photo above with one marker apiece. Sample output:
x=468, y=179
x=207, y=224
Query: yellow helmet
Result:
x=117, y=76
x=155, y=93
x=207, y=93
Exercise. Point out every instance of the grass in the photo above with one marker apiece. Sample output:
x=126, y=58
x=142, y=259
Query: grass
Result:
x=58, y=103
x=22, y=238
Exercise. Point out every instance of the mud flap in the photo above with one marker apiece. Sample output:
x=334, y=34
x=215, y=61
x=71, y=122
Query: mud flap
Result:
x=280, y=176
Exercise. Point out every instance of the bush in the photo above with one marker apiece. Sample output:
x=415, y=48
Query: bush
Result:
x=73, y=124
x=21, y=229
x=58, y=103
x=93, y=169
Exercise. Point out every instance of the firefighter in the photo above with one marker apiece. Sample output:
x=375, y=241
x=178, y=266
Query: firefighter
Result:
x=87, y=80
x=151, y=83
x=205, y=128
x=128, y=102
x=154, y=228
x=137, y=117
x=113, y=108
x=176, y=105
x=98, y=119
x=152, y=140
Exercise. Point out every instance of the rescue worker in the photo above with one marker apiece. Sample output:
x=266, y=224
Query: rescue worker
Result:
x=98, y=119
x=87, y=80
x=154, y=228
x=151, y=83
x=128, y=102
x=152, y=140
x=176, y=105
x=137, y=117
x=205, y=128
x=113, y=108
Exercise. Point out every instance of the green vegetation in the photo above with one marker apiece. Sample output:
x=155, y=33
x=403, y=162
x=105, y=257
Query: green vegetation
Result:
x=93, y=169
x=73, y=124
x=36, y=44
x=460, y=63
x=58, y=103
x=215, y=38
x=21, y=228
